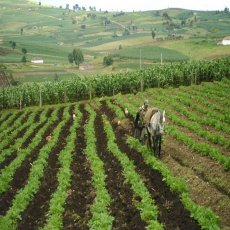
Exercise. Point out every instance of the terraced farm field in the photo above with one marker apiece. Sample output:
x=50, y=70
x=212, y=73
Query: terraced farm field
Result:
x=88, y=172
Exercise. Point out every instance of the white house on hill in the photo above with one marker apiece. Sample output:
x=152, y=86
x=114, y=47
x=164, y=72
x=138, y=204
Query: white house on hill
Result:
x=226, y=41
x=37, y=60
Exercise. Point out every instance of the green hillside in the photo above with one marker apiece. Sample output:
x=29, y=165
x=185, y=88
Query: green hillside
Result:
x=52, y=33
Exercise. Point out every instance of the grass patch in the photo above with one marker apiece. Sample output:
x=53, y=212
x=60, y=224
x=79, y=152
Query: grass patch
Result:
x=152, y=53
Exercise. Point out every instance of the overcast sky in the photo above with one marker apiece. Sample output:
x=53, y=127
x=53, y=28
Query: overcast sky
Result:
x=143, y=4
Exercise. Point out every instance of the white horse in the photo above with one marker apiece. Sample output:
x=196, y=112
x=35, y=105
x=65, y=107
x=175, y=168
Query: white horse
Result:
x=155, y=131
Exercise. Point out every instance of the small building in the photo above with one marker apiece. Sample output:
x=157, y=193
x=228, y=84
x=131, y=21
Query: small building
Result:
x=226, y=41
x=37, y=60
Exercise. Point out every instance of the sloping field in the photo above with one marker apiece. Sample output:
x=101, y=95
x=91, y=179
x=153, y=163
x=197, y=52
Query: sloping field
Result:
x=88, y=172
x=52, y=33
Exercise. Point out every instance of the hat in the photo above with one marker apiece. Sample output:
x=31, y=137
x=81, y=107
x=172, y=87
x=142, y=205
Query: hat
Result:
x=146, y=102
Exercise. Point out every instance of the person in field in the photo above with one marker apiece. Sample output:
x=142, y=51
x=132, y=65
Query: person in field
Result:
x=142, y=120
x=139, y=121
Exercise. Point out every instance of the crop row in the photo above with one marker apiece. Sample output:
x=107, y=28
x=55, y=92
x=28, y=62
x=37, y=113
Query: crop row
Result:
x=204, y=107
x=201, y=148
x=148, y=209
x=7, y=123
x=135, y=101
x=26, y=194
x=101, y=216
x=207, y=93
x=29, y=125
x=8, y=172
x=164, y=101
x=58, y=200
x=204, y=216
x=177, y=106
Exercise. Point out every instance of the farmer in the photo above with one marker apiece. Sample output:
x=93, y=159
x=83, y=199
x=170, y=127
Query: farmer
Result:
x=140, y=122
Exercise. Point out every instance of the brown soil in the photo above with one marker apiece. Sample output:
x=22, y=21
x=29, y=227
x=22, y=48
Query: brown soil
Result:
x=21, y=175
x=10, y=123
x=207, y=180
x=190, y=109
x=25, y=117
x=122, y=209
x=37, y=116
x=222, y=149
x=19, y=114
x=24, y=145
x=35, y=214
x=81, y=193
x=6, y=118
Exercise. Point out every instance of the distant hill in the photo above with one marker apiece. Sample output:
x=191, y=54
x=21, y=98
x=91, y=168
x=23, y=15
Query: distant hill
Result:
x=52, y=33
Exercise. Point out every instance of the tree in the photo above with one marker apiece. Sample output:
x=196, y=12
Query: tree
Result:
x=126, y=32
x=153, y=34
x=24, y=51
x=115, y=34
x=76, y=6
x=76, y=56
x=13, y=44
x=70, y=58
x=21, y=31
x=195, y=19
x=166, y=16
x=107, y=61
x=226, y=10
x=92, y=8
x=56, y=77
x=24, y=59
x=183, y=22
x=107, y=22
x=14, y=82
x=39, y=4
x=157, y=13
